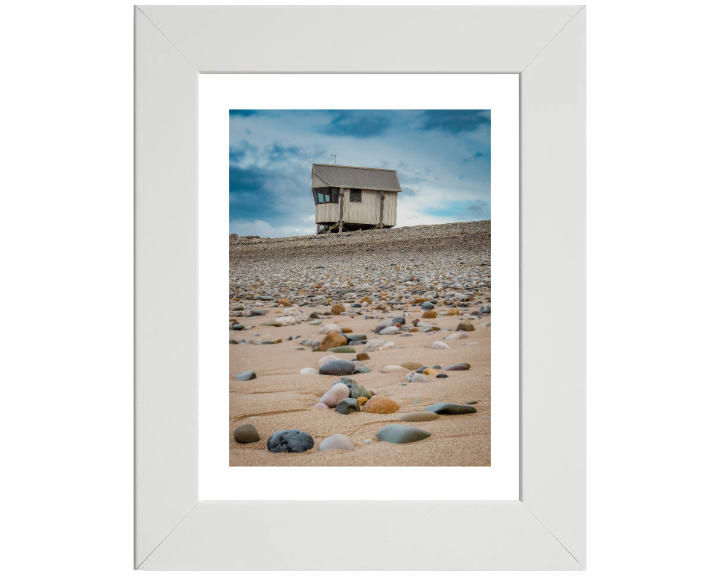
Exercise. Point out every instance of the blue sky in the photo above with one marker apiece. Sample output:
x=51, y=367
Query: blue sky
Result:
x=442, y=158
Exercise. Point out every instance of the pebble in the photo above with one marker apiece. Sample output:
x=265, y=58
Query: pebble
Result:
x=276, y=324
x=430, y=372
x=233, y=341
x=238, y=327
x=329, y=328
x=363, y=370
x=457, y=336
x=419, y=378
x=460, y=366
x=337, y=309
x=246, y=434
x=393, y=369
x=363, y=356
x=309, y=372
x=326, y=359
x=471, y=402
x=380, y=405
x=466, y=325
x=356, y=390
x=411, y=365
x=367, y=441
x=332, y=340
x=290, y=441
x=441, y=376
x=440, y=346
x=342, y=350
x=356, y=337
x=400, y=434
x=244, y=376
x=337, y=392
x=389, y=331
x=362, y=400
x=445, y=408
x=347, y=406
x=336, y=442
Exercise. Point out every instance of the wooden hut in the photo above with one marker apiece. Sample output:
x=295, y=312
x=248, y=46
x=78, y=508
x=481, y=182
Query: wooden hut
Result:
x=354, y=198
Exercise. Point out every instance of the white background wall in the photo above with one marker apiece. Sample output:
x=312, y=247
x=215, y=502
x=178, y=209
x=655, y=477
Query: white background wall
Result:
x=66, y=238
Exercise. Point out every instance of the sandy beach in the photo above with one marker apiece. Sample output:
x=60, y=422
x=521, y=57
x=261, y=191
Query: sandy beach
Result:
x=388, y=276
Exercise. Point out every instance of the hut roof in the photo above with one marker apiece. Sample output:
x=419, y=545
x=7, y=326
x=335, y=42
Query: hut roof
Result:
x=357, y=177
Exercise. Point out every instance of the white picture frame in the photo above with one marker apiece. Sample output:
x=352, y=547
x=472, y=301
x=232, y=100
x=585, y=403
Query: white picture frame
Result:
x=545, y=529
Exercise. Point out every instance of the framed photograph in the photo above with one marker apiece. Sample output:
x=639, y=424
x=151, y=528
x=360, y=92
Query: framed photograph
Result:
x=358, y=183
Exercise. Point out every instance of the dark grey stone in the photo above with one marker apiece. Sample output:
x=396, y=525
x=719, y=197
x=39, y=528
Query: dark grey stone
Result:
x=347, y=406
x=290, y=441
x=338, y=368
x=363, y=370
x=460, y=366
x=453, y=409
x=244, y=376
x=354, y=337
x=399, y=434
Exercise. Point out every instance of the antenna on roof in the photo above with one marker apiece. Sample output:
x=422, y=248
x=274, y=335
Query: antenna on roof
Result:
x=335, y=157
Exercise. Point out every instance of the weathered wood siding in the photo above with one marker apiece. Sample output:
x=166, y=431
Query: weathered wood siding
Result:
x=365, y=212
x=390, y=209
x=325, y=213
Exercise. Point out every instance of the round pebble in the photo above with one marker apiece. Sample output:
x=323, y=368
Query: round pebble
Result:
x=290, y=441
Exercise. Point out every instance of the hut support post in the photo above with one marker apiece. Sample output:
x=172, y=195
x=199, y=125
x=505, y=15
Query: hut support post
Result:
x=342, y=207
x=382, y=209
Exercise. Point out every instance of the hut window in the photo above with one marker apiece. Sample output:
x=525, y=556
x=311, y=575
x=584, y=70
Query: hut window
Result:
x=355, y=195
x=325, y=195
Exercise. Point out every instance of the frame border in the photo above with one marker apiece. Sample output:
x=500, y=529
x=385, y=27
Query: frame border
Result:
x=545, y=45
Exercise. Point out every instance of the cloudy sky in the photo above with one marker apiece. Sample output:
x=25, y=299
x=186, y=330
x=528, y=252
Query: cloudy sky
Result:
x=442, y=158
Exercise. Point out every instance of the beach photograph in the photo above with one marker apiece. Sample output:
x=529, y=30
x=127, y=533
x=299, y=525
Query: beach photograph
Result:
x=360, y=288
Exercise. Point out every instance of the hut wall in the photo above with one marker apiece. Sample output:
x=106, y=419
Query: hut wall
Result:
x=365, y=212
x=390, y=209
x=325, y=213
